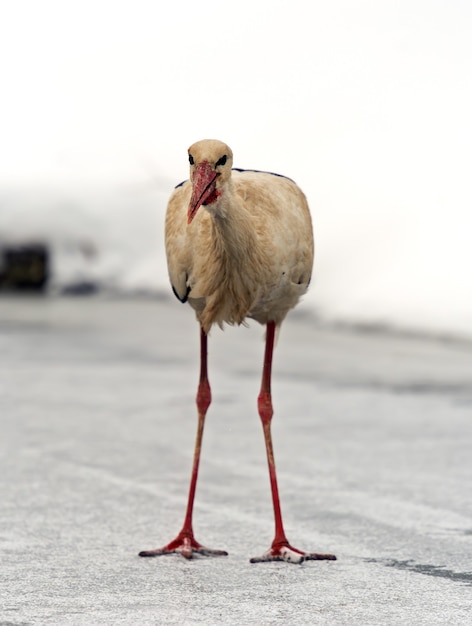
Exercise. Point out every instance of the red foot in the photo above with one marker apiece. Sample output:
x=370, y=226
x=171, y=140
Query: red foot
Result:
x=283, y=551
x=185, y=545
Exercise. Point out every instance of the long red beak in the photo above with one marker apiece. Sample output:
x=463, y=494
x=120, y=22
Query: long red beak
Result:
x=203, y=188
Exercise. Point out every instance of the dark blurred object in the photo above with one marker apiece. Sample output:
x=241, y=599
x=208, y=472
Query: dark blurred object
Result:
x=83, y=288
x=24, y=267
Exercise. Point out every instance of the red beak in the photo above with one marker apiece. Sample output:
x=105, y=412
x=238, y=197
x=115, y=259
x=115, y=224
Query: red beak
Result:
x=203, y=188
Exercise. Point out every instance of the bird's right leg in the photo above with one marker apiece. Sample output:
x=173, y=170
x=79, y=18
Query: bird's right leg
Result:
x=280, y=549
x=185, y=543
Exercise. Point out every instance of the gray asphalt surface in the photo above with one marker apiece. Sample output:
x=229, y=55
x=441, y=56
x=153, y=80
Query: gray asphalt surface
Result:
x=373, y=440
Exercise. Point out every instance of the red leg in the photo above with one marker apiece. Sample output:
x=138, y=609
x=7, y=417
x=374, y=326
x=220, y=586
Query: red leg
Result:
x=185, y=543
x=280, y=549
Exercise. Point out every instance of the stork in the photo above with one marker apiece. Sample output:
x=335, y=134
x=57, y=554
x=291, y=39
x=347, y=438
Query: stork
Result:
x=239, y=245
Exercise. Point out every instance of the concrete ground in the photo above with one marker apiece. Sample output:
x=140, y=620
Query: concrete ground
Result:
x=373, y=443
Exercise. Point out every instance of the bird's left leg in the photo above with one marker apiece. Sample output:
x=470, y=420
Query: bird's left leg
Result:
x=185, y=543
x=280, y=549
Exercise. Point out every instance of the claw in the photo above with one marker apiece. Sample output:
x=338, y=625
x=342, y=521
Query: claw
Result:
x=289, y=554
x=185, y=546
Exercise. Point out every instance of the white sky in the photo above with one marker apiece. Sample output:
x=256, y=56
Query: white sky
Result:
x=366, y=104
x=99, y=88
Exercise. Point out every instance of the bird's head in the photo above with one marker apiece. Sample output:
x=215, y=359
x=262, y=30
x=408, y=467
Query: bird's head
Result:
x=210, y=168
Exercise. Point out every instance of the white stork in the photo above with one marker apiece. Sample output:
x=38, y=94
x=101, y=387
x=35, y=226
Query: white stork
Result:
x=239, y=244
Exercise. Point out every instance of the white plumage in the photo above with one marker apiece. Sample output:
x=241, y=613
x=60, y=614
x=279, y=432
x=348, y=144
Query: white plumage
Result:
x=249, y=254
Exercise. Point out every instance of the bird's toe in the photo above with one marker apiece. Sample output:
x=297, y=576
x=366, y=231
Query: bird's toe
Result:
x=290, y=555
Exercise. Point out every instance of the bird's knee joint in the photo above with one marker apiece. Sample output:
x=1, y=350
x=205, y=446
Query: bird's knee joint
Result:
x=203, y=398
x=264, y=405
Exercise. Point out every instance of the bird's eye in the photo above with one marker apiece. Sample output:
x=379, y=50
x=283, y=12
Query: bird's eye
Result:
x=191, y=160
x=221, y=161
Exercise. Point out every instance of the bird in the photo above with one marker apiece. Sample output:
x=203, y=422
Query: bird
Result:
x=239, y=244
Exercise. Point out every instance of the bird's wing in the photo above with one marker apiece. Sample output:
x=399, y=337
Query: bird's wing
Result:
x=177, y=248
x=281, y=219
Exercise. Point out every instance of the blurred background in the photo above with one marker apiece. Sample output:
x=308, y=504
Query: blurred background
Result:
x=367, y=105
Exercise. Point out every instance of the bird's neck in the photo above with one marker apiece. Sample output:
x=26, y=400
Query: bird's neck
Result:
x=234, y=256
x=234, y=233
